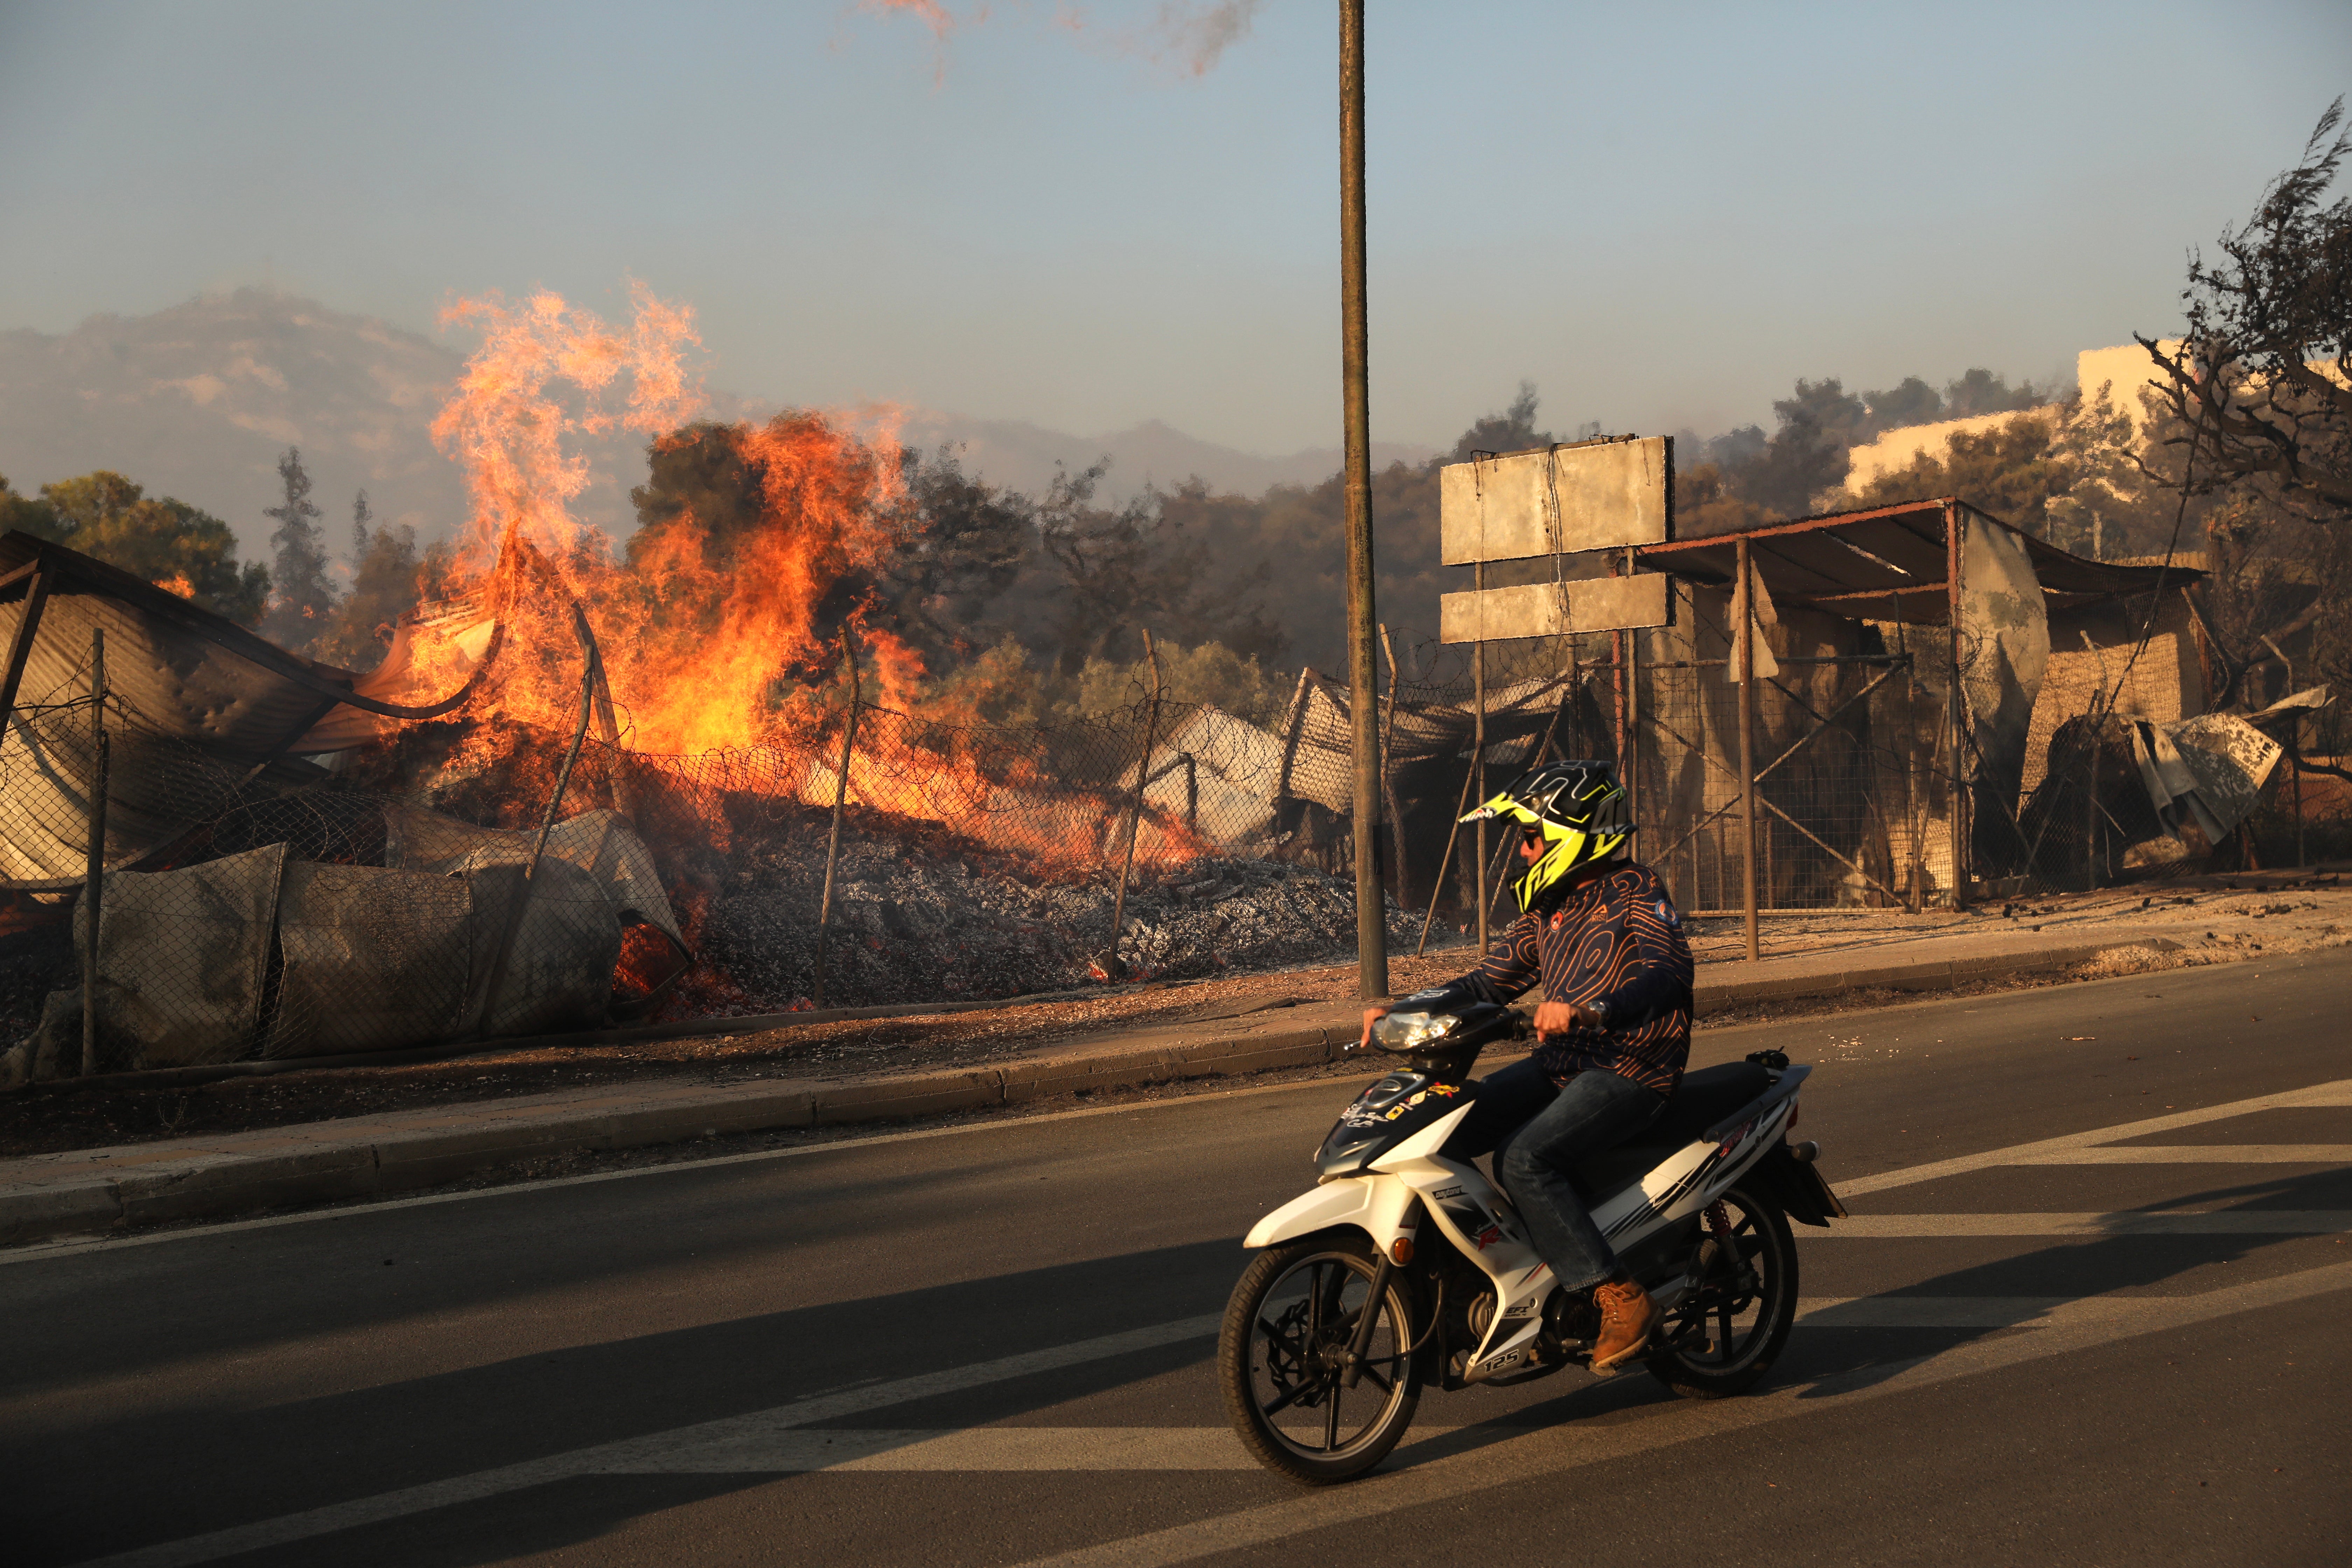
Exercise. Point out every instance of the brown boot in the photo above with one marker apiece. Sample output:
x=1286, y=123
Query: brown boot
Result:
x=1627, y=1317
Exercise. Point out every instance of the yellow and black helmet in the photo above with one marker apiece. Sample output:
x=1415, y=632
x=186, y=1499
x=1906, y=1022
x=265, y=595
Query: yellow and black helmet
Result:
x=1579, y=809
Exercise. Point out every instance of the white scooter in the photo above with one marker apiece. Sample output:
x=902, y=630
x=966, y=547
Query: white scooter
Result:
x=1404, y=1266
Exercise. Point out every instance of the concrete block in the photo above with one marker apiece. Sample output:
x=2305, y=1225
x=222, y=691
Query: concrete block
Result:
x=1895, y=977
x=1260, y=1053
x=1043, y=1077
x=714, y=1115
x=211, y=1183
x=923, y=1094
x=426, y=1157
x=80, y=1205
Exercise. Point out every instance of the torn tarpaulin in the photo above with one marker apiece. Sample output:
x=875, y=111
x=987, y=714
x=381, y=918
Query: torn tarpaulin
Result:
x=2205, y=772
x=261, y=955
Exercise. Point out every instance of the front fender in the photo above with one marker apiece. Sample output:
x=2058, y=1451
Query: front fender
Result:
x=1344, y=1202
x=1381, y=1206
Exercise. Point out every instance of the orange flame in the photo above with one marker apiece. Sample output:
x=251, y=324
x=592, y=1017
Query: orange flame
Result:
x=717, y=634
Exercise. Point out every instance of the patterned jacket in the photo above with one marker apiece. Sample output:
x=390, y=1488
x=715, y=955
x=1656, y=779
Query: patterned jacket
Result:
x=1614, y=941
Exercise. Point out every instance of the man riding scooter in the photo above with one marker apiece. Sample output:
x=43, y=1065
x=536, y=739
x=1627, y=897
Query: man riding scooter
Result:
x=1600, y=933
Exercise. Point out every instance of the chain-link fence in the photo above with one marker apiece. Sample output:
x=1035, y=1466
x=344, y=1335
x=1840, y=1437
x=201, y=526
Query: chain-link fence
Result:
x=466, y=878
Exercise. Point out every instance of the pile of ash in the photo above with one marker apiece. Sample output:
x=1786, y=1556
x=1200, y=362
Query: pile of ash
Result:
x=922, y=914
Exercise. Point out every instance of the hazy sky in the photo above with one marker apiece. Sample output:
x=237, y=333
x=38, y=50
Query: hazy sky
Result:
x=1660, y=214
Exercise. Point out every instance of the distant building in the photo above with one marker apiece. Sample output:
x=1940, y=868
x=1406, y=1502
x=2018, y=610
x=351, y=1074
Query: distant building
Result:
x=2125, y=372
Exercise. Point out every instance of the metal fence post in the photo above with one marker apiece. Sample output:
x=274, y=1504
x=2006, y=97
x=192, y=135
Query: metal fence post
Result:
x=840, y=799
x=592, y=671
x=1629, y=761
x=1747, y=635
x=1135, y=808
x=608, y=729
x=1958, y=710
x=96, y=869
x=1393, y=814
x=1478, y=766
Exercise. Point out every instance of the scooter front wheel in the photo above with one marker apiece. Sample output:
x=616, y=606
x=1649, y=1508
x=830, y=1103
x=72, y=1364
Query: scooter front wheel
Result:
x=1284, y=1359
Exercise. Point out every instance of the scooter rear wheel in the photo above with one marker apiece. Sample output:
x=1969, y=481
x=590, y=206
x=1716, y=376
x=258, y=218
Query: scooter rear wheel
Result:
x=1725, y=1335
x=1281, y=1360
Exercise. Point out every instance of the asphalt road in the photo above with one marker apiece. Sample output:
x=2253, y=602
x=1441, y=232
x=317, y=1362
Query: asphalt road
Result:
x=992, y=1344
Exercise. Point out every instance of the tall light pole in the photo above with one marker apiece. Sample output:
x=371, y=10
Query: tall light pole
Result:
x=1363, y=709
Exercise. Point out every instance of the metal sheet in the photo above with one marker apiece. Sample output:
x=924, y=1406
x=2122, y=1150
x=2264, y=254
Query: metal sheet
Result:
x=1535, y=610
x=1597, y=496
x=181, y=960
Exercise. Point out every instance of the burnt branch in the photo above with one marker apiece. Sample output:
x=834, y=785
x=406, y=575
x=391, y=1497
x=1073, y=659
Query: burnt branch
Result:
x=2260, y=383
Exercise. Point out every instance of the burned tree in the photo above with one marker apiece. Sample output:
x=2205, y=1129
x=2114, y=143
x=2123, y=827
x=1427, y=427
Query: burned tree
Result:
x=2261, y=381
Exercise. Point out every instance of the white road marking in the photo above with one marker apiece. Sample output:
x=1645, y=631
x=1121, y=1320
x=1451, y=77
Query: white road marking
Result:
x=2066, y=1327
x=2197, y=1155
x=2338, y=1093
x=2090, y=1226
x=1475, y=1466
x=36, y=1252
x=632, y=1454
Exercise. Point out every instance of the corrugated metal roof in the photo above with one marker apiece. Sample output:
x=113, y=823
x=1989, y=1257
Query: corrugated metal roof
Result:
x=198, y=707
x=1889, y=563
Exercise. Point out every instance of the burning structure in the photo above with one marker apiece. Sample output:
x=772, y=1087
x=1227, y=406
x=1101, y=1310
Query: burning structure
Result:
x=710, y=773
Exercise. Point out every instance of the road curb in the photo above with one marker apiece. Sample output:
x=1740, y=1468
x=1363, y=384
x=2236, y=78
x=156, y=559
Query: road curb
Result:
x=48, y=1197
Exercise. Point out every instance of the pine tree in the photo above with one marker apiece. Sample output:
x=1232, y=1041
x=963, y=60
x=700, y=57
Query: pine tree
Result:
x=304, y=596
x=360, y=518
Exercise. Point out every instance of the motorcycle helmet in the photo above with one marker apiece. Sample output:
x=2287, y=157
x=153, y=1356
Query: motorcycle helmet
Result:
x=1578, y=808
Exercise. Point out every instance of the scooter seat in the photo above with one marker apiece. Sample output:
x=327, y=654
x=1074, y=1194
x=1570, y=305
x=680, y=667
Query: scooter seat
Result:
x=1703, y=1098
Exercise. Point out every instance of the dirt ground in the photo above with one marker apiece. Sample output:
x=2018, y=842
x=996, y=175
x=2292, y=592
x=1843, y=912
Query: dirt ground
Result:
x=2212, y=919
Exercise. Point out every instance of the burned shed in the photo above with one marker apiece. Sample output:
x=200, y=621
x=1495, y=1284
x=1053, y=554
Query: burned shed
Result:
x=181, y=772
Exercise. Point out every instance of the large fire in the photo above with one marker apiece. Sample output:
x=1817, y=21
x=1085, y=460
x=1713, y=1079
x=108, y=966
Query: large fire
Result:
x=694, y=636
x=717, y=634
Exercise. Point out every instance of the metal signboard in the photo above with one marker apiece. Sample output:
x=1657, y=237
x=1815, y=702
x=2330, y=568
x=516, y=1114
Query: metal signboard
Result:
x=1554, y=609
x=1593, y=495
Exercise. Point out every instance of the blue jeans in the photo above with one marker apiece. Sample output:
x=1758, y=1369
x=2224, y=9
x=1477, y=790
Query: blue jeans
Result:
x=1539, y=1134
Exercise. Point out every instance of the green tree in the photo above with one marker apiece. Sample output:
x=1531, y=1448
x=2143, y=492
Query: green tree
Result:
x=1512, y=430
x=167, y=541
x=28, y=515
x=305, y=594
x=387, y=580
x=1910, y=401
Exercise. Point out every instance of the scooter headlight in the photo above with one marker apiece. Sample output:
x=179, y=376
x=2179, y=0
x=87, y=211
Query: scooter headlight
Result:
x=1411, y=1031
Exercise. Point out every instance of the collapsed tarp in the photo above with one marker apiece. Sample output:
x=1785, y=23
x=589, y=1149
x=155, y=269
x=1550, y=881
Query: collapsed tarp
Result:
x=260, y=955
x=1318, y=742
x=201, y=711
x=2208, y=773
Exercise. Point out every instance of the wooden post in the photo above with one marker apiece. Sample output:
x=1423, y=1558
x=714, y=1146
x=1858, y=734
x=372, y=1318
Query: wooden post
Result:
x=1746, y=632
x=840, y=800
x=1478, y=774
x=1617, y=695
x=95, y=866
x=1135, y=808
x=1371, y=918
x=1958, y=706
x=1388, y=779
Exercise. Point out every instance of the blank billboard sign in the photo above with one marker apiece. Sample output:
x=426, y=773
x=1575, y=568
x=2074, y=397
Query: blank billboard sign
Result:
x=1595, y=494
x=1555, y=609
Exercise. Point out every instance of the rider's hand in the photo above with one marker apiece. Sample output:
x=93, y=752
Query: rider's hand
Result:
x=1559, y=1018
x=1372, y=1016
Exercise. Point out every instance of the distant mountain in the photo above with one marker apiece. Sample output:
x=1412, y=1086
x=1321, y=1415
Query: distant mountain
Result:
x=1025, y=456
x=198, y=401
